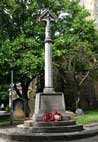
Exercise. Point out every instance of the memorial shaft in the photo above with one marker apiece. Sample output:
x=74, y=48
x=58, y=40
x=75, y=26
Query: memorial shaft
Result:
x=47, y=17
x=48, y=59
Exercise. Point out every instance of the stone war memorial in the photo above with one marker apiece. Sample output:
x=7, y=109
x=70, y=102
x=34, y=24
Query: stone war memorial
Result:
x=49, y=121
x=49, y=100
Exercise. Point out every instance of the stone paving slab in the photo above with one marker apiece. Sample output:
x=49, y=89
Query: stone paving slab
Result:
x=92, y=125
x=93, y=139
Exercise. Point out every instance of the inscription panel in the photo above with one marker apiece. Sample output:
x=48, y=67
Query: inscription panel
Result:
x=51, y=103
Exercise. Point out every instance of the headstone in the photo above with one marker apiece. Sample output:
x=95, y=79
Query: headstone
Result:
x=2, y=107
x=79, y=111
x=18, y=109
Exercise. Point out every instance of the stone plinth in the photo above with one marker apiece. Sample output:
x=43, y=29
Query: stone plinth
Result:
x=48, y=102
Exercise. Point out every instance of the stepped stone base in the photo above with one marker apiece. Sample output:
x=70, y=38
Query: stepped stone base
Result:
x=54, y=131
x=30, y=123
x=25, y=135
x=53, y=127
x=37, y=130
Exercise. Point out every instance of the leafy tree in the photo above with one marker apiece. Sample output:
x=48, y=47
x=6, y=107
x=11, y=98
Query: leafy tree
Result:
x=22, y=39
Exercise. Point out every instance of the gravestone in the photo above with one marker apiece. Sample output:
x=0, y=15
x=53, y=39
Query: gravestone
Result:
x=79, y=111
x=18, y=109
x=2, y=107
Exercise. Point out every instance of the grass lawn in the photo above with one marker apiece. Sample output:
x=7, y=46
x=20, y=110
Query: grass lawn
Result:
x=88, y=117
x=7, y=122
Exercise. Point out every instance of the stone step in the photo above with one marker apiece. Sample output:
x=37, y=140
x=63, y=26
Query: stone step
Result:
x=57, y=129
x=30, y=123
x=56, y=123
x=65, y=117
x=47, y=137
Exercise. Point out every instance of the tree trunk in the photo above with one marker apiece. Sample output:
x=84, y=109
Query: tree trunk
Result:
x=78, y=100
x=23, y=94
x=26, y=108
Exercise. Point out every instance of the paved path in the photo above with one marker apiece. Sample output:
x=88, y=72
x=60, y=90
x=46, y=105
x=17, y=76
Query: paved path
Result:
x=92, y=139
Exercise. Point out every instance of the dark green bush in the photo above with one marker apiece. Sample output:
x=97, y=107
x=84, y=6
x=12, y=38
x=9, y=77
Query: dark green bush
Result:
x=4, y=98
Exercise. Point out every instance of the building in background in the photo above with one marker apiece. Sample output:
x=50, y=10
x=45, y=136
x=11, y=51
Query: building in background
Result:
x=92, y=6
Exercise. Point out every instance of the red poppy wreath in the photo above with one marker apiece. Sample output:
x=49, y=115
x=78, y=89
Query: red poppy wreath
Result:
x=53, y=116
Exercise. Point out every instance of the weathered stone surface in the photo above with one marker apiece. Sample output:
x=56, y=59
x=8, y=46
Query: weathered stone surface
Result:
x=47, y=17
x=70, y=113
x=56, y=123
x=13, y=134
x=48, y=102
x=79, y=111
x=18, y=107
x=57, y=129
x=51, y=102
x=30, y=123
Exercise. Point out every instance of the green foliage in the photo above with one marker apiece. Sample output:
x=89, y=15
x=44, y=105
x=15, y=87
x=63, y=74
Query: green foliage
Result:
x=22, y=37
x=26, y=55
x=88, y=117
x=4, y=98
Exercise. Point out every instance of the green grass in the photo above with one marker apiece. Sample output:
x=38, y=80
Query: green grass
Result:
x=88, y=117
x=7, y=123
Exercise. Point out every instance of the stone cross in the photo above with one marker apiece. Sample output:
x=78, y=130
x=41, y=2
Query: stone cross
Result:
x=48, y=18
x=49, y=100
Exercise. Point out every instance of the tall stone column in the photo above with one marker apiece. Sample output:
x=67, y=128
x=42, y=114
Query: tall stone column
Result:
x=48, y=18
x=49, y=100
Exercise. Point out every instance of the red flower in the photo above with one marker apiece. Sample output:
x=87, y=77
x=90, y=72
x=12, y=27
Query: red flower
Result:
x=46, y=117
x=53, y=116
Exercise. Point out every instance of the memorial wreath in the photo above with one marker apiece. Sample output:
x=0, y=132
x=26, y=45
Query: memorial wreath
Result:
x=53, y=116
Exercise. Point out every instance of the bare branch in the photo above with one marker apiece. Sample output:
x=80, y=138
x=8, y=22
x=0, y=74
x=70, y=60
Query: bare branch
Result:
x=84, y=78
x=93, y=68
